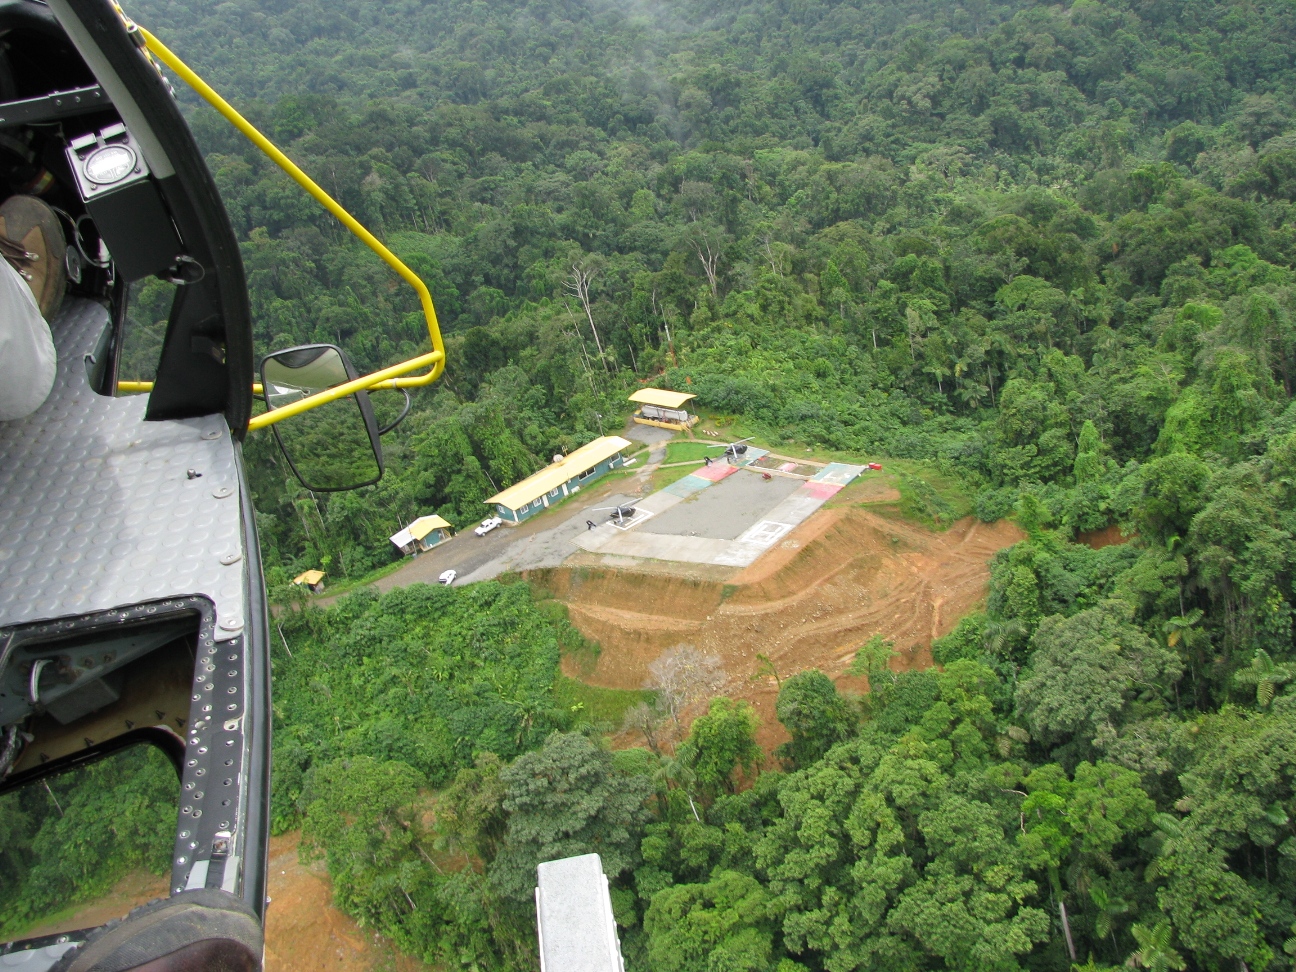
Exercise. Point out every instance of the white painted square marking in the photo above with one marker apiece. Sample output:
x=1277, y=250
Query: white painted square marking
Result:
x=639, y=517
x=765, y=533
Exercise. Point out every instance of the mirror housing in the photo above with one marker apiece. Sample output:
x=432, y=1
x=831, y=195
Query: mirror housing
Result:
x=331, y=448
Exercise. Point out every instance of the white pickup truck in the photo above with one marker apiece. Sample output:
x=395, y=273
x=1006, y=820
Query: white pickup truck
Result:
x=487, y=525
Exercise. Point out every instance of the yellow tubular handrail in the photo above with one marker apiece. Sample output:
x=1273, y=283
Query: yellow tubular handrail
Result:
x=147, y=386
x=384, y=378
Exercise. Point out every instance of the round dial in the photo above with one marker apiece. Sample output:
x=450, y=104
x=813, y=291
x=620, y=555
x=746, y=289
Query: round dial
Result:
x=110, y=164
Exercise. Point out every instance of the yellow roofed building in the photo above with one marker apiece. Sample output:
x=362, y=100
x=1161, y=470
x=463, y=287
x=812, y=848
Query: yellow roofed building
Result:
x=423, y=534
x=313, y=579
x=562, y=477
x=664, y=409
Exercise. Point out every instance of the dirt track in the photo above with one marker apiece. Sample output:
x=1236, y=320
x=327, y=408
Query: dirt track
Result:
x=841, y=577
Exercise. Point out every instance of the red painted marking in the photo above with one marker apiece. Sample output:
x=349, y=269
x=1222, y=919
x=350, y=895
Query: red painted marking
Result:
x=715, y=472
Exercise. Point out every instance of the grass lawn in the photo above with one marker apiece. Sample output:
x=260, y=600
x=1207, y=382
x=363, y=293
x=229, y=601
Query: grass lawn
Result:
x=684, y=450
x=597, y=705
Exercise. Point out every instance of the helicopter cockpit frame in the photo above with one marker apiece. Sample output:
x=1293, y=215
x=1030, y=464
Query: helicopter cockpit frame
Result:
x=132, y=606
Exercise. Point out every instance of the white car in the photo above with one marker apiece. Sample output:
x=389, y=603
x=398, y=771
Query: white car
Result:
x=447, y=577
x=487, y=525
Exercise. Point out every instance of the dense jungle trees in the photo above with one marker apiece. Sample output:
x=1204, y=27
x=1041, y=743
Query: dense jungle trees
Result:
x=919, y=229
x=1047, y=248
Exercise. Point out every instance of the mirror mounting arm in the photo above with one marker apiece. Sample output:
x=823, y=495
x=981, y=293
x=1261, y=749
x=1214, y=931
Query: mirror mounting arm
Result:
x=386, y=378
x=401, y=417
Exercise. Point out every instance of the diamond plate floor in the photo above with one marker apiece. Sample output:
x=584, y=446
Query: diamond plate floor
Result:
x=96, y=509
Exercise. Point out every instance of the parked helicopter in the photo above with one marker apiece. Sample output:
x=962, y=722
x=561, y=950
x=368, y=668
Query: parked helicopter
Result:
x=621, y=514
x=732, y=450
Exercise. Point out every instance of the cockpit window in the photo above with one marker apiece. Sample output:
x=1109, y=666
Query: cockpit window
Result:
x=83, y=847
x=147, y=313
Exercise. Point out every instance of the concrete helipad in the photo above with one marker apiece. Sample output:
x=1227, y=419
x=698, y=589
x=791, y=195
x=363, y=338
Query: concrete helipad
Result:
x=719, y=514
x=725, y=510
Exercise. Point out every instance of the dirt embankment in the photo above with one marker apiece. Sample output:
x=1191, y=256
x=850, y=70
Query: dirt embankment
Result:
x=841, y=577
x=305, y=933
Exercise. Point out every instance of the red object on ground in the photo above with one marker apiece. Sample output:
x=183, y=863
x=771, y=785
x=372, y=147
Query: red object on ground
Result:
x=766, y=476
x=875, y=465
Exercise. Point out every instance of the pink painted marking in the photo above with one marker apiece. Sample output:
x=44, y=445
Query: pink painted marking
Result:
x=820, y=491
x=715, y=472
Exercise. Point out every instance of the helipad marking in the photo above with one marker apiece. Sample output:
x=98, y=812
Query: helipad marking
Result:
x=639, y=517
x=765, y=533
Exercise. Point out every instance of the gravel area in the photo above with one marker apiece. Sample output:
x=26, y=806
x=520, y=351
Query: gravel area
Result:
x=648, y=434
x=543, y=542
x=725, y=510
x=546, y=548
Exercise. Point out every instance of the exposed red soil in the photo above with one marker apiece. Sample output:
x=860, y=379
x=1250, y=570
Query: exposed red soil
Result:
x=305, y=933
x=873, y=489
x=838, y=579
x=133, y=890
x=1108, y=536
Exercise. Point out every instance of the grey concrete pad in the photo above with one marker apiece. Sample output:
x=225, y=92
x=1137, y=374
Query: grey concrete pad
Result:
x=725, y=510
x=729, y=523
x=657, y=546
x=647, y=434
x=795, y=508
x=548, y=548
x=660, y=502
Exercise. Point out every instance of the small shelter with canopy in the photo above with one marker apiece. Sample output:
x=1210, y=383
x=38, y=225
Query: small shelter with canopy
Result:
x=313, y=579
x=664, y=409
x=423, y=534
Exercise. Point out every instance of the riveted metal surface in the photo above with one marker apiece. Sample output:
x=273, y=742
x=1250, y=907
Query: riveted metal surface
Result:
x=211, y=836
x=96, y=508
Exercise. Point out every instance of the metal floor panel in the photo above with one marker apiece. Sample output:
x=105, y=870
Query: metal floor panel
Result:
x=96, y=509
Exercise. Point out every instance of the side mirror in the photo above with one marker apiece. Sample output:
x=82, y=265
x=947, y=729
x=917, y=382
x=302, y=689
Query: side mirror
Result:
x=332, y=447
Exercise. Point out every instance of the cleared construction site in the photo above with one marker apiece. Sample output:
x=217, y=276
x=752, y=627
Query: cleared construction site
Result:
x=849, y=568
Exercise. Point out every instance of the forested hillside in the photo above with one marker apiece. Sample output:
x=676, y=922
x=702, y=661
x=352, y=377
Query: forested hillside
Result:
x=916, y=229
x=1048, y=248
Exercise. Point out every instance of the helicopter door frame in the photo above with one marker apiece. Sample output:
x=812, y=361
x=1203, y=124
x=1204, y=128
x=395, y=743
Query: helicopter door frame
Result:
x=207, y=355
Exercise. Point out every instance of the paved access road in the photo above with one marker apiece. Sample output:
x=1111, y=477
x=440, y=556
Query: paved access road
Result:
x=544, y=541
